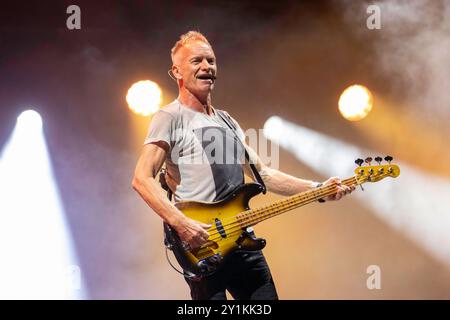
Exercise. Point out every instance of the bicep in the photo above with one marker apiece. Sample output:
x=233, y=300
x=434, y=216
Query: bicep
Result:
x=151, y=159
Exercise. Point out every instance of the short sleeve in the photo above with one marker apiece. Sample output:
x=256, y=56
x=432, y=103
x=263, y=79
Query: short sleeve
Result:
x=160, y=128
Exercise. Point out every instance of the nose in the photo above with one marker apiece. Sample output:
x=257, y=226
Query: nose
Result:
x=206, y=66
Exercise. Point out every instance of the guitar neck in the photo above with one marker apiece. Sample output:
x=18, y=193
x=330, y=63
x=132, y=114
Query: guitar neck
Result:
x=254, y=216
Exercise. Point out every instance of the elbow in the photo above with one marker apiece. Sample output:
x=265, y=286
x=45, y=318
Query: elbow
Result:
x=139, y=181
x=136, y=182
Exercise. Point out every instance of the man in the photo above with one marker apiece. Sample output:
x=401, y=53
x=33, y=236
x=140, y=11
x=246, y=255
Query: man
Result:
x=182, y=126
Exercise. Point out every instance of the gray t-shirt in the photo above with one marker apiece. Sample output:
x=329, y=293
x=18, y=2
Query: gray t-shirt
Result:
x=205, y=159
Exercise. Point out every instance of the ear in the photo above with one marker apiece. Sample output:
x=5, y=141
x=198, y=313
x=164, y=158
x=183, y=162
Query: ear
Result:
x=176, y=72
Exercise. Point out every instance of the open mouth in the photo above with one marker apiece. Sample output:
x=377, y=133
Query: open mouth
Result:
x=207, y=77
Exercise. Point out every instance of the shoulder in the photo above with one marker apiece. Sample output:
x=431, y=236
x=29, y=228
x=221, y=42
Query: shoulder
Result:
x=172, y=109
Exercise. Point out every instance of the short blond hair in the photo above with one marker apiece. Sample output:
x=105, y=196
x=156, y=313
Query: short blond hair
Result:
x=185, y=38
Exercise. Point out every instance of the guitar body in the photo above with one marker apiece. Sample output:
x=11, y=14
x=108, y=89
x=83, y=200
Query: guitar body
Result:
x=226, y=233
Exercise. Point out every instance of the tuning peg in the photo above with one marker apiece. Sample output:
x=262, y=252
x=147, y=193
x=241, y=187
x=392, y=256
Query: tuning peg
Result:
x=368, y=160
x=379, y=159
x=359, y=162
x=388, y=159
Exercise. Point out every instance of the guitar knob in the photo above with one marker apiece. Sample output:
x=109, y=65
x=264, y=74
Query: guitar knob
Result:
x=203, y=266
x=379, y=159
x=388, y=159
x=359, y=162
x=368, y=160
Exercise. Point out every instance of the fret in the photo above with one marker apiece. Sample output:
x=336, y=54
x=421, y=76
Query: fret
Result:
x=254, y=216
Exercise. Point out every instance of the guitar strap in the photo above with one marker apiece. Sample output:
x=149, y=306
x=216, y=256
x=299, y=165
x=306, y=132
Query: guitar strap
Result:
x=163, y=182
x=227, y=119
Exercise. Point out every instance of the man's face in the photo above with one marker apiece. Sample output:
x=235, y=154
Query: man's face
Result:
x=197, y=65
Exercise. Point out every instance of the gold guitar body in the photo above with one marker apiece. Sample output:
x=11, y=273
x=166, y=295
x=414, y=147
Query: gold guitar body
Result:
x=226, y=234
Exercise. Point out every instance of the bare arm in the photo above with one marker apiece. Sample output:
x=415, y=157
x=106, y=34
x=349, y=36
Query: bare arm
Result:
x=287, y=185
x=148, y=165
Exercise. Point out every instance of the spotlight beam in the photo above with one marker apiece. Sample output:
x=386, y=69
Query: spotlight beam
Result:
x=38, y=260
x=412, y=204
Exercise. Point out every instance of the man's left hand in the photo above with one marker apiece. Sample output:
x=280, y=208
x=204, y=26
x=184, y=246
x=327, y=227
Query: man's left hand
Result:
x=341, y=189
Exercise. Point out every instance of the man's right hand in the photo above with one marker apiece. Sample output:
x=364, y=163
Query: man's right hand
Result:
x=192, y=232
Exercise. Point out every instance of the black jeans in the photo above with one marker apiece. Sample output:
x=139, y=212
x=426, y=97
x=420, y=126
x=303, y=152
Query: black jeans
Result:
x=245, y=274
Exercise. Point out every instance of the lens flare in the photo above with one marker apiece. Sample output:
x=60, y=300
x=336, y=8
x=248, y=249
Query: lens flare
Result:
x=144, y=97
x=355, y=103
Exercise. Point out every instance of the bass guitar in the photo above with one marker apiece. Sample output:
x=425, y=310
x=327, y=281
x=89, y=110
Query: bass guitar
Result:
x=230, y=217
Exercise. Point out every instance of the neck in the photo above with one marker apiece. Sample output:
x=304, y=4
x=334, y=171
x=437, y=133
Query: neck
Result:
x=254, y=216
x=199, y=104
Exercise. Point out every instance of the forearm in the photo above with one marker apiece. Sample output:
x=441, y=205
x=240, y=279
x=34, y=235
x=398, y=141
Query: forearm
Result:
x=156, y=198
x=284, y=184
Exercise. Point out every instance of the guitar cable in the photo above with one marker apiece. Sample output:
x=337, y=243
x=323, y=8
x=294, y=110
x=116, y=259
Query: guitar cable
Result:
x=184, y=274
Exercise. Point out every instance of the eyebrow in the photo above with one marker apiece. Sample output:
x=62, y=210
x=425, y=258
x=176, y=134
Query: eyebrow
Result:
x=200, y=57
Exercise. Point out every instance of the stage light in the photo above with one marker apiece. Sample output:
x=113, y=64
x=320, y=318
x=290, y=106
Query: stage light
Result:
x=273, y=127
x=355, y=103
x=402, y=203
x=38, y=258
x=30, y=119
x=144, y=97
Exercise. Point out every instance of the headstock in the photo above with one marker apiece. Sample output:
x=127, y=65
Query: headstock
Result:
x=370, y=173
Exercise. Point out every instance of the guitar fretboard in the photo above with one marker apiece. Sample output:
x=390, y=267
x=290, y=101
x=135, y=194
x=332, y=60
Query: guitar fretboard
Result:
x=254, y=216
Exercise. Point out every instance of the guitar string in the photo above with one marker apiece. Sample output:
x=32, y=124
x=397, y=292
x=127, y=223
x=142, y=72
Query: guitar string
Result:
x=288, y=207
x=260, y=218
x=238, y=229
x=265, y=212
x=258, y=213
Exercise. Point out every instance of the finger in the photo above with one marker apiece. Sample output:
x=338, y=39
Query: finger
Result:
x=198, y=242
x=205, y=226
x=333, y=196
x=203, y=240
x=332, y=183
x=194, y=245
x=340, y=193
x=347, y=190
x=203, y=235
x=331, y=180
